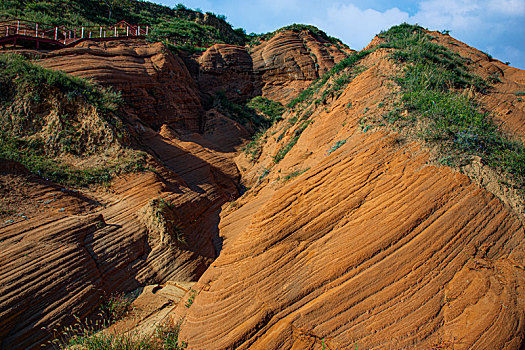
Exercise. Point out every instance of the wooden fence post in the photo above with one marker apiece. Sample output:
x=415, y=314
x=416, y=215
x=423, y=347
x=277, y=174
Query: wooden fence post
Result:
x=56, y=33
x=17, y=26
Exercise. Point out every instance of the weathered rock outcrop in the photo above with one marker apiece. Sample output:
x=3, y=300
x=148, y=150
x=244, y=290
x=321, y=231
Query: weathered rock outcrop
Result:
x=229, y=69
x=371, y=245
x=278, y=68
x=353, y=237
x=292, y=59
x=70, y=250
x=156, y=85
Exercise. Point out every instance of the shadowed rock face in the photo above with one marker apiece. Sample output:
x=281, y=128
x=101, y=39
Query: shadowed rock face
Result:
x=227, y=68
x=73, y=250
x=279, y=68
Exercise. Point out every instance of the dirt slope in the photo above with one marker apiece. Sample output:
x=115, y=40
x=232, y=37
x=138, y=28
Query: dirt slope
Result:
x=371, y=245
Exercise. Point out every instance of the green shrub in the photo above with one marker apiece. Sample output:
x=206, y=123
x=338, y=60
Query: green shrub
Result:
x=336, y=146
x=165, y=337
x=294, y=174
x=272, y=109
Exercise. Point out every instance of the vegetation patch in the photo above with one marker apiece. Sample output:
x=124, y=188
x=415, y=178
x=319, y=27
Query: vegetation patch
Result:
x=117, y=306
x=159, y=218
x=253, y=149
x=336, y=146
x=165, y=337
x=294, y=174
x=178, y=24
x=47, y=117
x=273, y=110
x=436, y=111
x=286, y=148
x=348, y=62
x=256, y=115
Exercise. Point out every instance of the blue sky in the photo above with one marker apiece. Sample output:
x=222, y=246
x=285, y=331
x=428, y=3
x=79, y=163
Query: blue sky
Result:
x=493, y=26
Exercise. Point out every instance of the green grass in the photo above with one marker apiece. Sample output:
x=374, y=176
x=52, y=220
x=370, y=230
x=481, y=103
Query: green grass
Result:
x=42, y=116
x=165, y=337
x=295, y=137
x=117, y=306
x=178, y=23
x=257, y=115
x=254, y=148
x=439, y=114
x=241, y=113
x=191, y=299
x=337, y=145
x=271, y=109
x=349, y=62
x=294, y=174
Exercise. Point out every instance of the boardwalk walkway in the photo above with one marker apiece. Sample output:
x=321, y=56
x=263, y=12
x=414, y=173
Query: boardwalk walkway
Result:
x=21, y=33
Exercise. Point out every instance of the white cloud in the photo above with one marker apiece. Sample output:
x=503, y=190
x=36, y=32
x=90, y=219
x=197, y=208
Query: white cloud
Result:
x=511, y=8
x=357, y=27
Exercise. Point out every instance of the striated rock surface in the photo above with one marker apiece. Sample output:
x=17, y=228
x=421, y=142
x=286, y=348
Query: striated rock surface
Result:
x=227, y=68
x=71, y=250
x=352, y=239
x=156, y=85
x=290, y=60
x=368, y=244
x=278, y=68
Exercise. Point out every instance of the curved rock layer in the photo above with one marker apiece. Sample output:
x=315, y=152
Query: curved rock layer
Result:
x=279, y=68
x=69, y=250
x=156, y=85
x=370, y=246
x=290, y=61
x=229, y=69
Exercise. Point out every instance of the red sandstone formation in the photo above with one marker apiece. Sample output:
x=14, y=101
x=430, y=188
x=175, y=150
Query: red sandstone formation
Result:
x=155, y=85
x=370, y=245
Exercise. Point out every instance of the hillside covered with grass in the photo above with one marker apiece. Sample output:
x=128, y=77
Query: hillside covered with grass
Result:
x=50, y=122
x=179, y=24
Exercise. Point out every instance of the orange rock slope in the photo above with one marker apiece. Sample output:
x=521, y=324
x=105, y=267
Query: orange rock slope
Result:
x=372, y=246
x=352, y=239
x=65, y=251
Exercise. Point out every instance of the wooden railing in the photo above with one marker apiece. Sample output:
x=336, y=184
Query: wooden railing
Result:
x=65, y=36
